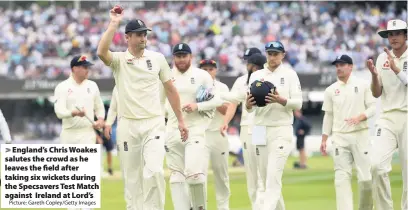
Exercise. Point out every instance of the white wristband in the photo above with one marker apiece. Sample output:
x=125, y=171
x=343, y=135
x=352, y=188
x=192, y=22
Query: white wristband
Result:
x=402, y=75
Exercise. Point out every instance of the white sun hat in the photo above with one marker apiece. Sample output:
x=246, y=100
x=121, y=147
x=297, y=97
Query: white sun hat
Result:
x=393, y=25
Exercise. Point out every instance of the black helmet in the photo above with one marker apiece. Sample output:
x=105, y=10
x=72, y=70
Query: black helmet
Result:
x=259, y=90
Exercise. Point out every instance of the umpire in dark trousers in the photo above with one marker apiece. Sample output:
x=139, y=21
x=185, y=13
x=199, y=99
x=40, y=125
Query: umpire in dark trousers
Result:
x=301, y=128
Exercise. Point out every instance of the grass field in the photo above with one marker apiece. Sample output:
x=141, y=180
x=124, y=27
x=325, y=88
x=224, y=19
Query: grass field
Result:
x=311, y=189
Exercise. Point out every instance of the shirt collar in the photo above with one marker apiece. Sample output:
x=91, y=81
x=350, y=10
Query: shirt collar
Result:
x=349, y=81
x=129, y=55
x=404, y=55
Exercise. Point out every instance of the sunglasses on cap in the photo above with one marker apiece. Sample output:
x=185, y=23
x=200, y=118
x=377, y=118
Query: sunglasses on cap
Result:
x=274, y=46
x=208, y=62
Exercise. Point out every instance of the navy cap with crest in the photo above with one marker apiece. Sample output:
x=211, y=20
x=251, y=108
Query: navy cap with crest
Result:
x=259, y=90
x=274, y=46
x=257, y=59
x=136, y=26
x=80, y=60
x=343, y=59
x=250, y=51
x=181, y=48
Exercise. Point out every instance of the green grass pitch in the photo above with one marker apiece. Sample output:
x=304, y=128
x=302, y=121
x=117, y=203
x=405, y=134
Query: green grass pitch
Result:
x=311, y=189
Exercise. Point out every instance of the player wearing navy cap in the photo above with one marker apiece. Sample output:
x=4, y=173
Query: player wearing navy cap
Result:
x=348, y=103
x=273, y=132
x=139, y=74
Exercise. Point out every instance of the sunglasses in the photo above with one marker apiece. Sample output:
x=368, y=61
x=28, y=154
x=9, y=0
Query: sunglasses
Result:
x=274, y=44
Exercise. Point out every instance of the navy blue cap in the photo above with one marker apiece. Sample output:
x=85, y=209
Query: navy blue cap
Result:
x=136, y=26
x=250, y=51
x=259, y=90
x=257, y=59
x=274, y=46
x=343, y=59
x=181, y=48
x=80, y=60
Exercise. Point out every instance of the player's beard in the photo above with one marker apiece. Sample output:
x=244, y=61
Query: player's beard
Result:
x=183, y=67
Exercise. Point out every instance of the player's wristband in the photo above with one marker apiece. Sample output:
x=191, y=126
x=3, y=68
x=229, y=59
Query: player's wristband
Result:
x=402, y=75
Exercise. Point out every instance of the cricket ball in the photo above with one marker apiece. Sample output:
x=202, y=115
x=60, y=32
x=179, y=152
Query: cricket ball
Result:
x=118, y=9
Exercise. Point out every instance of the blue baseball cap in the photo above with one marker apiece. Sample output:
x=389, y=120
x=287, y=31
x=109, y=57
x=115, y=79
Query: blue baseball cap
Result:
x=275, y=46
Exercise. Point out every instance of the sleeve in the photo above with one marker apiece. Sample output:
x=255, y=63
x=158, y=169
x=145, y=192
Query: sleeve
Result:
x=115, y=63
x=370, y=102
x=5, y=131
x=402, y=75
x=237, y=94
x=216, y=101
x=60, y=105
x=165, y=71
x=113, y=109
x=99, y=107
x=295, y=99
x=327, y=101
x=327, y=123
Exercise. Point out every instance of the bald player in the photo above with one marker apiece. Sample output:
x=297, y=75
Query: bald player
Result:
x=79, y=92
x=389, y=81
x=348, y=103
x=217, y=144
x=138, y=75
x=239, y=90
x=188, y=159
x=273, y=131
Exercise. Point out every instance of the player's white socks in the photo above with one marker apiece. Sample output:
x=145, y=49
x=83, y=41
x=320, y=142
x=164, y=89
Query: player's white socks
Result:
x=366, y=195
x=179, y=196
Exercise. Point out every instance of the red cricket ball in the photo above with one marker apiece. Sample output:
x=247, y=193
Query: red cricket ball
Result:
x=118, y=9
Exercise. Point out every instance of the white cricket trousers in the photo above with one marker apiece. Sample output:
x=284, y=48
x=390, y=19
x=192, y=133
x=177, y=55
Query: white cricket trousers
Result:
x=141, y=152
x=390, y=135
x=271, y=160
x=254, y=182
x=78, y=136
x=187, y=162
x=352, y=149
x=218, y=152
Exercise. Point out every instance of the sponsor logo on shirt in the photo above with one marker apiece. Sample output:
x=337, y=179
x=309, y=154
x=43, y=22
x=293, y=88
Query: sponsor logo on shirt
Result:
x=129, y=61
x=282, y=82
x=192, y=80
x=356, y=89
x=386, y=65
x=404, y=68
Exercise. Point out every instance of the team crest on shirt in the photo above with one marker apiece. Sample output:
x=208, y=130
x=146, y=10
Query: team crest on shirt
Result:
x=125, y=146
x=282, y=82
x=337, y=92
x=129, y=61
x=69, y=91
x=192, y=80
x=379, y=132
x=356, y=89
x=89, y=90
x=404, y=68
x=149, y=64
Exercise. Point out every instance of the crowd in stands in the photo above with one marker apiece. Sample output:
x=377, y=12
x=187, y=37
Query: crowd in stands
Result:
x=37, y=42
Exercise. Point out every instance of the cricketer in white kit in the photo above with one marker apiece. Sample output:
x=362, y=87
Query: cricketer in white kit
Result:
x=238, y=95
x=4, y=129
x=273, y=131
x=79, y=92
x=217, y=144
x=389, y=81
x=139, y=74
x=188, y=159
x=348, y=103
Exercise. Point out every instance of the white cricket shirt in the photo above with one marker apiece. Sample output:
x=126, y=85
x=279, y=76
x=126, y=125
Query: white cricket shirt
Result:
x=187, y=85
x=138, y=83
x=394, y=92
x=347, y=100
x=288, y=86
x=218, y=119
x=69, y=94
